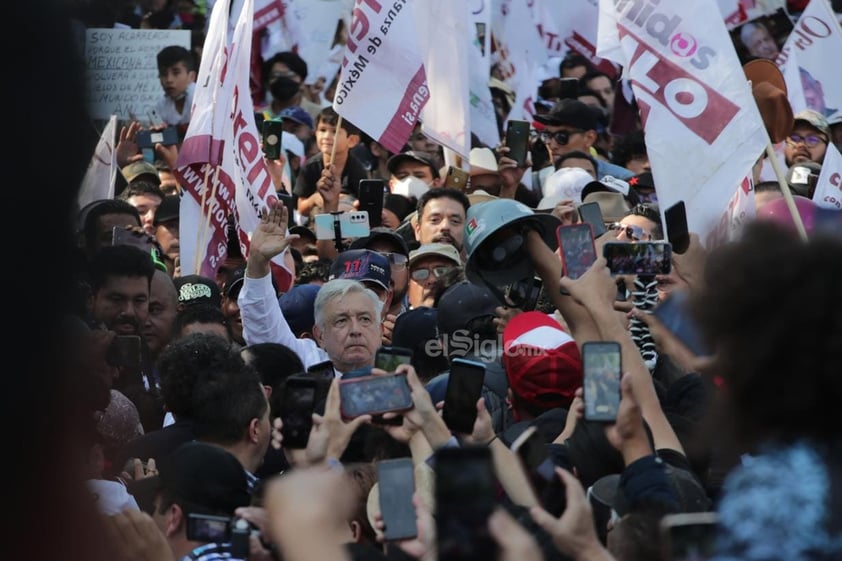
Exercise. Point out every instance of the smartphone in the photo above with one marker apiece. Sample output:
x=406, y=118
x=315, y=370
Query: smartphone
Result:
x=120, y=235
x=205, y=528
x=323, y=373
x=273, y=132
x=149, y=138
x=578, y=251
x=389, y=358
x=465, y=490
x=592, y=214
x=674, y=314
x=456, y=178
x=688, y=536
x=524, y=293
x=351, y=225
x=396, y=480
x=464, y=387
x=258, y=120
x=286, y=198
x=124, y=352
x=372, y=192
x=517, y=139
x=677, y=233
x=531, y=450
x=639, y=258
x=298, y=402
x=374, y=395
x=601, y=385
x=568, y=88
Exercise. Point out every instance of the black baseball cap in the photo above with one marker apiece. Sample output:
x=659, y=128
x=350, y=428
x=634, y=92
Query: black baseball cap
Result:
x=382, y=233
x=569, y=112
x=413, y=155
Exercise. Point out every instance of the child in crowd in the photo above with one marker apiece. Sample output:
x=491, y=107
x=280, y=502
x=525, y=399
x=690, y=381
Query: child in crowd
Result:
x=177, y=72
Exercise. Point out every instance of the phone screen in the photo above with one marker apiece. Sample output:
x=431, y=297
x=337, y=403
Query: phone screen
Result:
x=465, y=498
x=374, y=395
x=602, y=369
x=297, y=406
x=640, y=258
x=578, y=252
x=396, y=479
x=287, y=200
x=389, y=358
x=517, y=140
x=592, y=214
x=464, y=387
x=323, y=370
x=676, y=221
x=372, y=192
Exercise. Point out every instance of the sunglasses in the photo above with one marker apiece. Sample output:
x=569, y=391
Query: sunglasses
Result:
x=421, y=275
x=561, y=137
x=633, y=233
x=396, y=260
x=810, y=140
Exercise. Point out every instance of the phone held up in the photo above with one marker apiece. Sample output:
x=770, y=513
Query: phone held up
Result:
x=298, y=403
x=372, y=192
x=273, y=131
x=531, y=448
x=592, y=214
x=578, y=251
x=640, y=258
x=517, y=140
x=456, y=178
x=675, y=218
x=389, y=358
x=601, y=361
x=374, y=395
x=464, y=387
x=396, y=483
x=351, y=225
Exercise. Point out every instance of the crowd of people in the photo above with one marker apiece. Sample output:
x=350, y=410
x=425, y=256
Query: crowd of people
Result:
x=203, y=418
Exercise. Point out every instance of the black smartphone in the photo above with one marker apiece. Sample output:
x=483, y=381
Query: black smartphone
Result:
x=124, y=352
x=689, y=536
x=206, y=528
x=568, y=88
x=273, y=132
x=639, y=258
x=396, y=481
x=258, y=120
x=298, y=403
x=456, y=178
x=592, y=214
x=517, y=140
x=578, y=251
x=465, y=491
x=601, y=362
x=531, y=448
x=674, y=313
x=677, y=232
x=324, y=374
x=371, y=193
x=389, y=358
x=374, y=395
x=464, y=387
x=286, y=198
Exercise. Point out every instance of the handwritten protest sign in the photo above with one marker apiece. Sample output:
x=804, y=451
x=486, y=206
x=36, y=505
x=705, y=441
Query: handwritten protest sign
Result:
x=122, y=73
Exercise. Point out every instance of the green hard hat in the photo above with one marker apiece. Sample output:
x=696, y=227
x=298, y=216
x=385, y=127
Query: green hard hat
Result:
x=494, y=238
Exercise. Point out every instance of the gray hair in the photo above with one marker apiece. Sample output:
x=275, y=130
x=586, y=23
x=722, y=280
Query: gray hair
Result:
x=338, y=288
x=748, y=29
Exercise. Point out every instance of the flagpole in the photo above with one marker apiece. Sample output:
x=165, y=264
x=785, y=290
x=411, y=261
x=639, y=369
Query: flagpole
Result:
x=790, y=202
x=333, y=148
x=200, y=231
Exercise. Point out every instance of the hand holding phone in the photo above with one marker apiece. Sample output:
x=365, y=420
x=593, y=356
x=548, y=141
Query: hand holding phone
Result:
x=592, y=214
x=396, y=482
x=351, y=225
x=677, y=232
x=456, y=178
x=298, y=403
x=273, y=131
x=517, y=140
x=464, y=388
x=601, y=361
x=389, y=358
x=639, y=258
x=531, y=450
x=372, y=192
x=374, y=395
x=578, y=251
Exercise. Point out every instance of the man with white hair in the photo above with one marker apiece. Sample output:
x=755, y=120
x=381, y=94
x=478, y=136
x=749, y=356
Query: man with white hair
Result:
x=347, y=314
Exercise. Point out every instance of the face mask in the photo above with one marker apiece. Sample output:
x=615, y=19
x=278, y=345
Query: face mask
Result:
x=410, y=186
x=283, y=88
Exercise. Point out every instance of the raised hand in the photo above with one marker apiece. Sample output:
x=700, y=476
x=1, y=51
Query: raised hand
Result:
x=270, y=237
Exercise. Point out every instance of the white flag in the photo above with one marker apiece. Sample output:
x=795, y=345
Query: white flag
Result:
x=703, y=128
x=816, y=43
x=740, y=211
x=483, y=117
x=445, y=38
x=828, y=192
x=220, y=164
x=382, y=86
x=98, y=182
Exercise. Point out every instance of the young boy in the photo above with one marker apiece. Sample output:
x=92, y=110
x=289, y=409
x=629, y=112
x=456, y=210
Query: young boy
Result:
x=348, y=169
x=177, y=72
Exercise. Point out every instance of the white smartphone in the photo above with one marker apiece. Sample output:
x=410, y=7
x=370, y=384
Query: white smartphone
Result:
x=351, y=225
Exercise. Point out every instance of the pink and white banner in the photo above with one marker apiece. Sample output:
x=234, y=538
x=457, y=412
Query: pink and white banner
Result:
x=703, y=128
x=828, y=192
x=220, y=164
x=738, y=12
x=382, y=85
x=573, y=26
x=98, y=182
x=810, y=63
x=740, y=211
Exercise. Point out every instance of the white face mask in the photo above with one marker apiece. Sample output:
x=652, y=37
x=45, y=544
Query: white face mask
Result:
x=410, y=186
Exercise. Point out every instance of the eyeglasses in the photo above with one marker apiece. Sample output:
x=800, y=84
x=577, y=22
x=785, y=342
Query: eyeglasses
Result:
x=561, y=137
x=633, y=233
x=396, y=260
x=423, y=274
x=810, y=140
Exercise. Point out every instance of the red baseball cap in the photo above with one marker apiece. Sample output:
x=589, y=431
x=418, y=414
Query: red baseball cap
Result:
x=542, y=361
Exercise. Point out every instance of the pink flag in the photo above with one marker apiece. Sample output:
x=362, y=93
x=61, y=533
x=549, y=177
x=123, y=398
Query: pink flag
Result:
x=220, y=165
x=382, y=86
